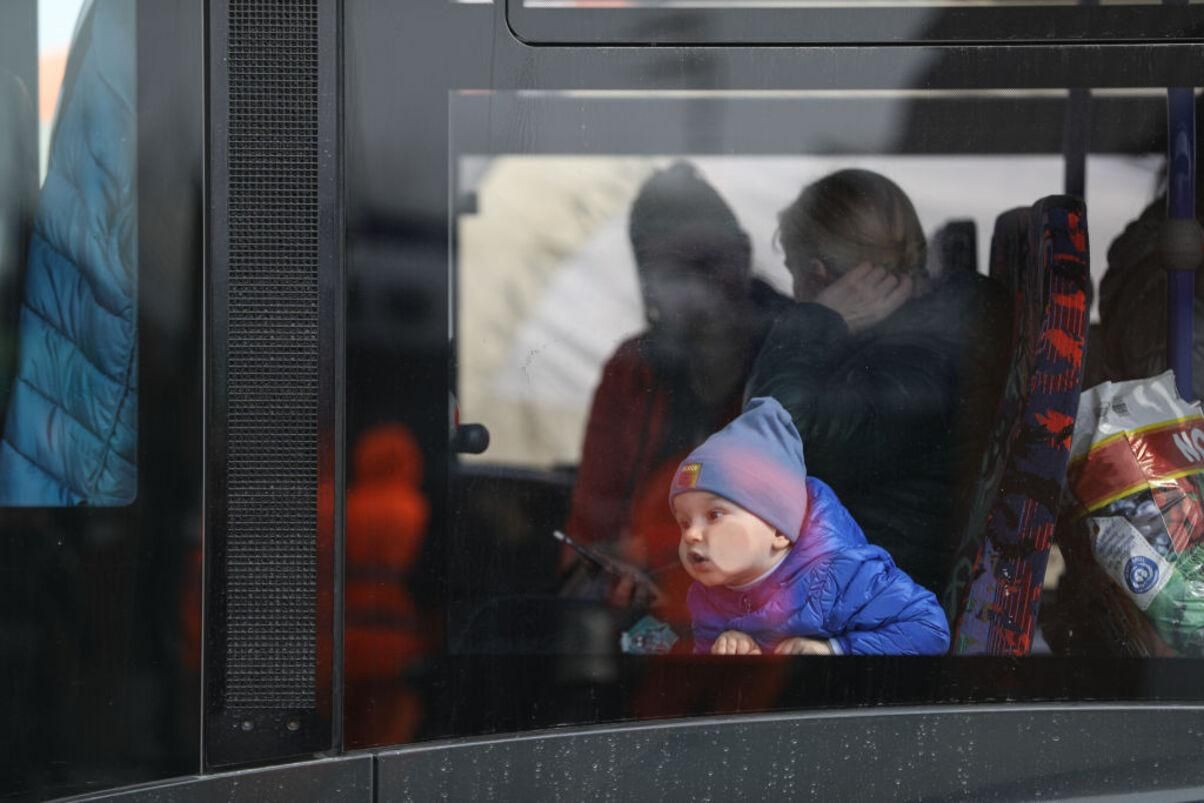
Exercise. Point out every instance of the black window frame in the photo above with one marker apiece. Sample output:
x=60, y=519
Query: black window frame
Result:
x=816, y=25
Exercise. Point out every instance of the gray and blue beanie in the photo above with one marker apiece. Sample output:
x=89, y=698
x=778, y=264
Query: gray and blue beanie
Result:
x=755, y=461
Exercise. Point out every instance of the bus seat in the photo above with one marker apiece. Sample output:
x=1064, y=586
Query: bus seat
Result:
x=1008, y=269
x=70, y=431
x=997, y=580
x=1009, y=246
x=956, y=247
x=18, y=194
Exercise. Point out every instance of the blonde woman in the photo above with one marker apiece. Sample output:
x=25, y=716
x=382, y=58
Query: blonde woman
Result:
x=889, y=376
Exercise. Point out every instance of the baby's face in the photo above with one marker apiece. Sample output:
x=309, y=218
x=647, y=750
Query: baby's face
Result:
x=721, y=542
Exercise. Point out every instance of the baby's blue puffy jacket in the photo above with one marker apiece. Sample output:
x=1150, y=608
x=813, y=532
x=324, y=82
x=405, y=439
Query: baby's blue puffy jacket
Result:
x=833, y=585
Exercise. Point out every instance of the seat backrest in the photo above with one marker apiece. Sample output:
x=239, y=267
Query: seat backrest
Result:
x=956, y=247
x=1005, y=545
x=70, y=432
x=1022, y=283
x=1009, y=247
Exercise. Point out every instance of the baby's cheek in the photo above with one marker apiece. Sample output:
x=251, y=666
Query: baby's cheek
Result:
x=731, y=551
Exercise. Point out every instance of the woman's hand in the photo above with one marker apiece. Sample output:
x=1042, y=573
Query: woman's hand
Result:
x=803, y=646
x=733, y=642
x=866, y=295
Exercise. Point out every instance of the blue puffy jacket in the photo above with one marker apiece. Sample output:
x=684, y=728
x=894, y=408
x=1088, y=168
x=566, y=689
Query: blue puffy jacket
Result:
x=70, y=433
x=832, y=585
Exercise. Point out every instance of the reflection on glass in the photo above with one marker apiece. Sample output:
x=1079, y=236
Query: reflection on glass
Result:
x=69, y=387
x=57, y=20
x=99, y=566
x=385, y=639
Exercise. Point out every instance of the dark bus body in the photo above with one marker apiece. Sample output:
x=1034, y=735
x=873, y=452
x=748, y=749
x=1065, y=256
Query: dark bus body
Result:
x=353, y=231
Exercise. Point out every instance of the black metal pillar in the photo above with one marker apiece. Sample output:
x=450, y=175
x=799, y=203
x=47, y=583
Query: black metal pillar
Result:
x=274, y=369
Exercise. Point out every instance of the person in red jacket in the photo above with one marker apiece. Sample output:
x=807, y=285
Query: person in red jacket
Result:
x=386, y=521
x=664, y=390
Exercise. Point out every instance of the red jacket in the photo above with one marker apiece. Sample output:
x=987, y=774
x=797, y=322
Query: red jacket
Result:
x=622, y=487
x=643, y=422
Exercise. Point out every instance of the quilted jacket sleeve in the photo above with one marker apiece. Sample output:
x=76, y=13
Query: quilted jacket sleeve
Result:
x=706, y=622
x=704, y=640
x=70, y=434
x=876, y=609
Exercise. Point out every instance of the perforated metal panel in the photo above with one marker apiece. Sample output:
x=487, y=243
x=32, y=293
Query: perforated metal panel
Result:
x=274, y=249
x=272, y=369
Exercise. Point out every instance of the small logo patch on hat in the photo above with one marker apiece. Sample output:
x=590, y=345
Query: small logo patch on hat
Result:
x=687, y=477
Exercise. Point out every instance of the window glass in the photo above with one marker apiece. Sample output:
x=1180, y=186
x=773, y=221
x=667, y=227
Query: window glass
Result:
x=539, y=359
x=626, y=268
x=612, y=311
x=99, y=563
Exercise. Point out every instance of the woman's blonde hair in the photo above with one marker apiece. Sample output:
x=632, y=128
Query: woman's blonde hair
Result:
x=850, y=217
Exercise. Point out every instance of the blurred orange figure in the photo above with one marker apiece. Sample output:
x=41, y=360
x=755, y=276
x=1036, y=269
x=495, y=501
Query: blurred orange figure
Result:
x=386, y=521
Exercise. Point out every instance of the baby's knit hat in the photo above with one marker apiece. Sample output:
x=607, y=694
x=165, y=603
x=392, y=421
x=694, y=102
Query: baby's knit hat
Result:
x=755, y=461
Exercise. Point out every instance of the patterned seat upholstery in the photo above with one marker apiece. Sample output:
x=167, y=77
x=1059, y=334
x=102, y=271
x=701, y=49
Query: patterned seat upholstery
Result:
x=1041, y=255
x=1009, y=255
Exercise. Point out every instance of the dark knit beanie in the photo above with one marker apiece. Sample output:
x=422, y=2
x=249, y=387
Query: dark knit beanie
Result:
x=676, y=209
x=755, y=461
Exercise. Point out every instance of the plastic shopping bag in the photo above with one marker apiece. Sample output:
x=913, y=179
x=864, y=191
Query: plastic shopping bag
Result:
x=1136, y=479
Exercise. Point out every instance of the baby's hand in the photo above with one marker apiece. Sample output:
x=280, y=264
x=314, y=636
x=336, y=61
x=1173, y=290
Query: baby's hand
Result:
x=733, y=642
x=802, y=646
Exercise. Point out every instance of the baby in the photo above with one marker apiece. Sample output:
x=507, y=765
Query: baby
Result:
x=778, y=563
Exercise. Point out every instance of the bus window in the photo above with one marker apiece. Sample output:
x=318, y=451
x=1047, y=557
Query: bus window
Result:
x=602, y=362
x=100, y=175
x=561, y=343
x=626, y=270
